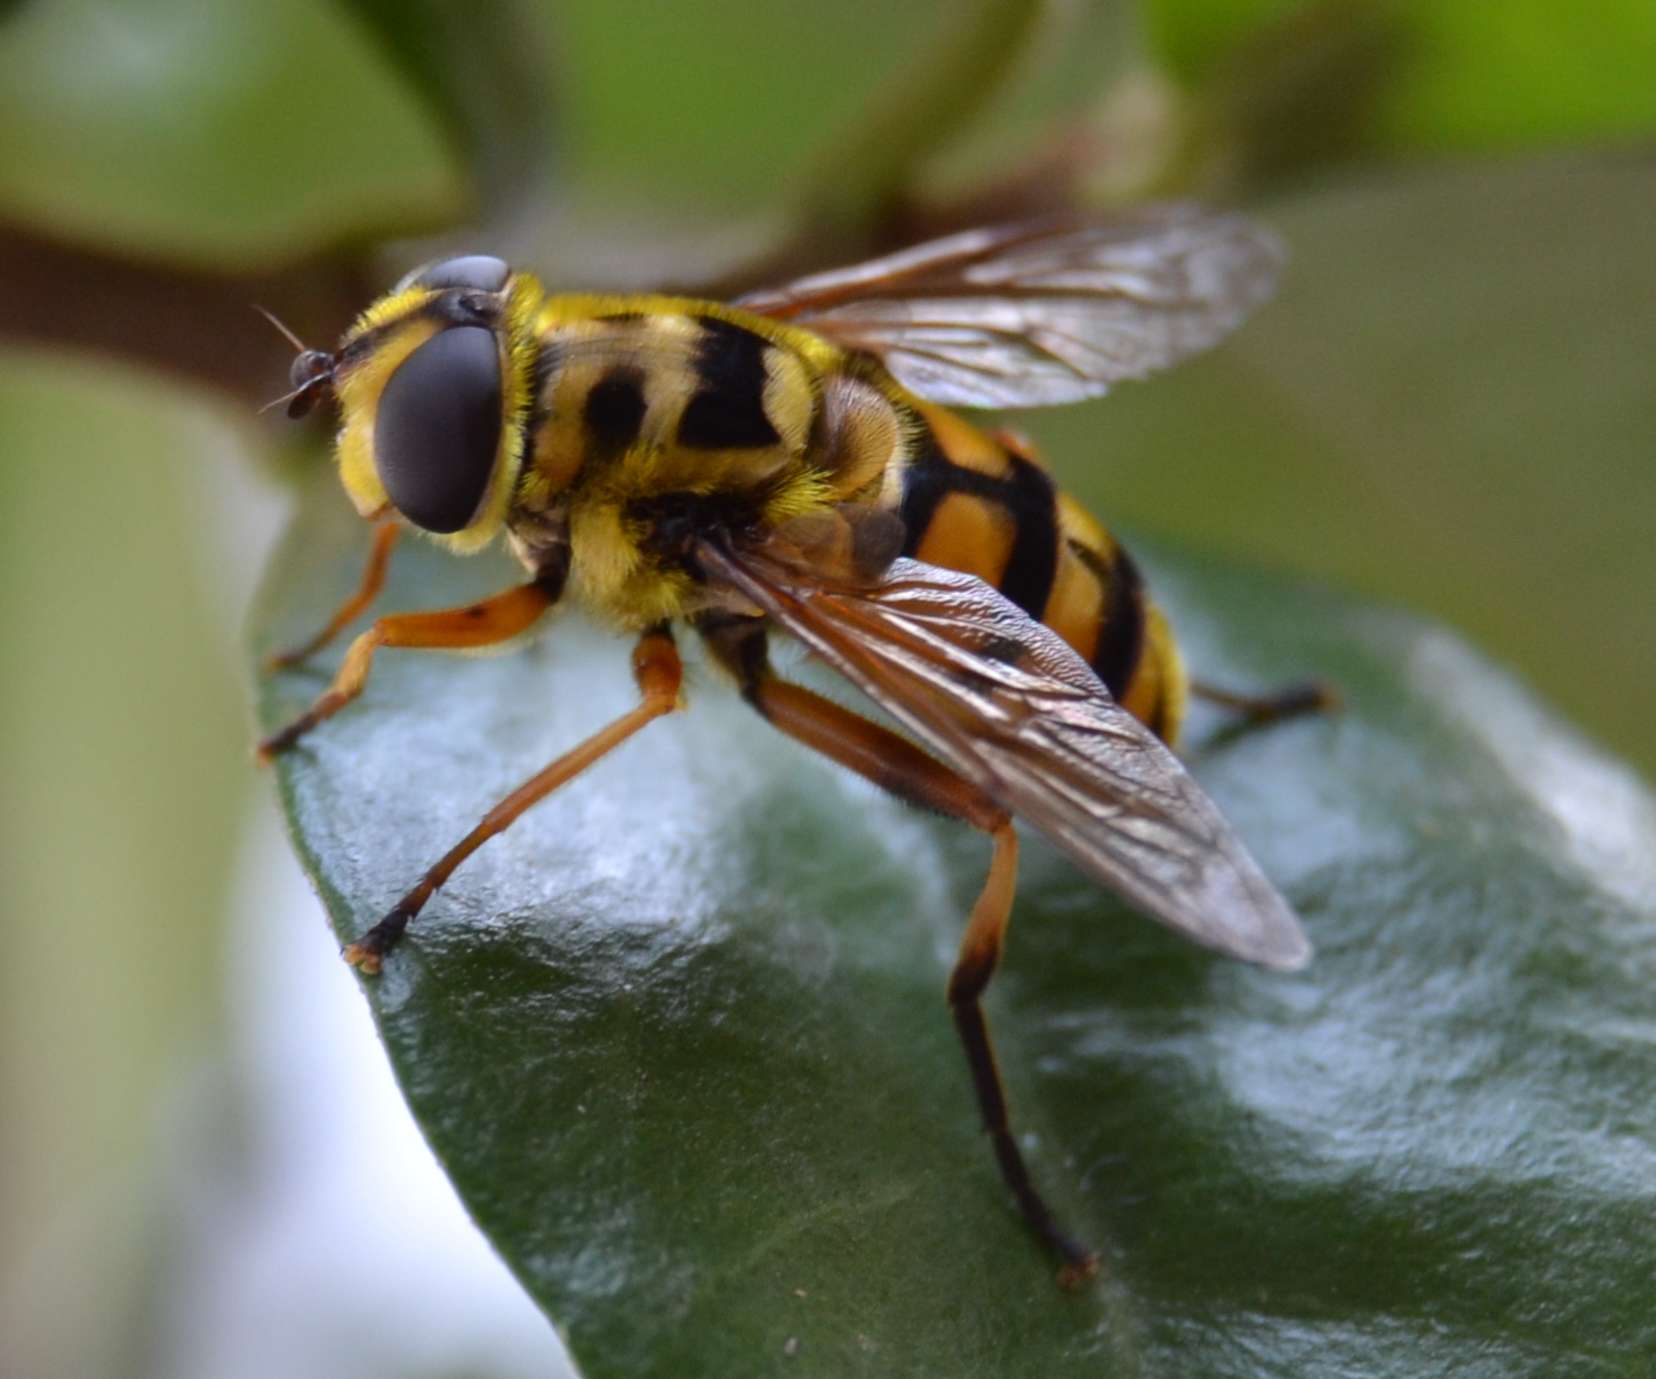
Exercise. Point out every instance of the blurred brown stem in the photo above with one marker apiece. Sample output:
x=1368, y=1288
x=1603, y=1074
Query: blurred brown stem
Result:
x=196, y=324
x=872, y=166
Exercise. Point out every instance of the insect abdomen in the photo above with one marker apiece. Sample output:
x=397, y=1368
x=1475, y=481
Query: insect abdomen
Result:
x=972, y=502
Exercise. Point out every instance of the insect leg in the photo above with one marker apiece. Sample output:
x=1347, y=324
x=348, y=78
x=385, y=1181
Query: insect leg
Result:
x=492, y=620
x=1297, y=697
x=895, y=764
x=657, y=670
x=373, y=579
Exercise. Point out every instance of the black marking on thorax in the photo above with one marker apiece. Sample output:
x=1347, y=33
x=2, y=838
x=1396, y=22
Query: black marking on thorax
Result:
x=677, y=522
x=727, y=410
x=613, y=412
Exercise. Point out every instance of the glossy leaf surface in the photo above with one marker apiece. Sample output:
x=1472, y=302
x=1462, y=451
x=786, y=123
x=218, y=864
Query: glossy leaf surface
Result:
x=679, y=1037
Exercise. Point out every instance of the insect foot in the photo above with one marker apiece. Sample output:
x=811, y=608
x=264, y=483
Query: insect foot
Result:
x=1075, y=1272
x=368, y=952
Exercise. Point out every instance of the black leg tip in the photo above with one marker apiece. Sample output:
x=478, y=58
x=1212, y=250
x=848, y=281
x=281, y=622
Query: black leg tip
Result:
x=1309, y=696
x=284, y=738
x=1077, y=1269
x=367, y=954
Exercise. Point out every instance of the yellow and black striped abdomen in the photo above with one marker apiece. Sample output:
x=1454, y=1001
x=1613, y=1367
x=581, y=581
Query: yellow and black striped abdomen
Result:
x=972, y=502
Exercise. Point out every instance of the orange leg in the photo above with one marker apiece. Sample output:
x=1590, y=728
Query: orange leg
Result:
x=494, y=620
x=373, y=580
x=898, y=766
x=658, y=672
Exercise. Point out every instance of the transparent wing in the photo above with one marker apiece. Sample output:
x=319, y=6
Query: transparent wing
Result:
x=1007, y=704
x=1041, y=313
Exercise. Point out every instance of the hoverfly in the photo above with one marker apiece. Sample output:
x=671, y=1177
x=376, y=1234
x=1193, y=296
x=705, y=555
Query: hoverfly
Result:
x=786, y=462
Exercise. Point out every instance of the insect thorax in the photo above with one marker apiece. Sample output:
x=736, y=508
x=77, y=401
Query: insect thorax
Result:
x=657, y=421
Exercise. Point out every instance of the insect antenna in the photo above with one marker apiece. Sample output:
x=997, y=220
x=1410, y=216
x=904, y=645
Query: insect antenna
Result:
x=278, y=401
x=299, y=345
x=311, y=373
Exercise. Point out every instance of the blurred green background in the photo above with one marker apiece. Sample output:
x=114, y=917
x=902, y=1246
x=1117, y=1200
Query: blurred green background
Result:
x=1450, y=404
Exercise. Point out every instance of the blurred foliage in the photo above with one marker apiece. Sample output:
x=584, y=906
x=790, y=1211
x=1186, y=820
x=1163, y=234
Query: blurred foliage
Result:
x=1446, y=406
x=1279, y=90
x=1458, y=77
x=1523, y=74
x=227, y=136
x=124, y=738
x=1463, y=76
x=484, y=77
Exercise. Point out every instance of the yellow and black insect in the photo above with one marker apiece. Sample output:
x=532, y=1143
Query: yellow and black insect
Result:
x=786, y=462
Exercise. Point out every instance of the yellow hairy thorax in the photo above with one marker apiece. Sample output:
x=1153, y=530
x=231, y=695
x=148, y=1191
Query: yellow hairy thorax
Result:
x=616, y=571
x=613, y=498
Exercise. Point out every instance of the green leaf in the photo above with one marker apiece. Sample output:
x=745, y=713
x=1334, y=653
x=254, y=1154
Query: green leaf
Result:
x=487, y=76
x=1522, y=74
x=679, y=1036
x=1415, y=76
x=1194, y=38
x=218, y=135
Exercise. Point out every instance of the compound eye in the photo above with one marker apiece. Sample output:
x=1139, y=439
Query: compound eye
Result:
x=481, y=272
x=438, y=427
